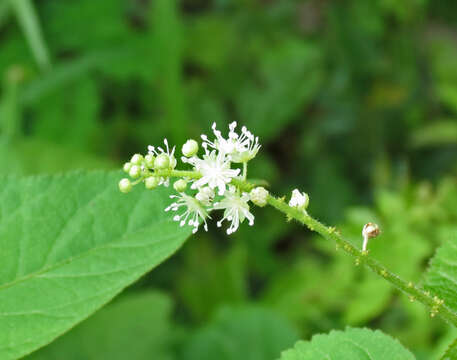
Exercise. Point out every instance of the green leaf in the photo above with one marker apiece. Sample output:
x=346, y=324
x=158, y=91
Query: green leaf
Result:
x=135, y=327
x=211, y=279
x=290, y=76
x=79, y=104
x=5, y=10
x=441, y=278
x=351, y=344
x=36, y=156
x=165, y=16
x=29, y=22
x=248, y=333
x=442, y=132
x=451, y=352
x=68, y=245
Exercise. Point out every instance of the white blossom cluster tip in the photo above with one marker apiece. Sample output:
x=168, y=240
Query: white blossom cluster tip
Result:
x=299, y=200
x=208, y=185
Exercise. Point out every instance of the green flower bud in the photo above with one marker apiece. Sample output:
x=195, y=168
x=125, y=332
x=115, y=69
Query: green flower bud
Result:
x=190, y=148
x=259, y=196
x=137, y=159
x=135, y=171
x=173, y=162
x=151, y=182
x=162, y=162
x=125, y=185
x=127, y=167
x=180, y=185
x=149, y=158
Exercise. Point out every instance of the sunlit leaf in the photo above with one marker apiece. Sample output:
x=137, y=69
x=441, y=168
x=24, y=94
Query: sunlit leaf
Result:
x=351, y=344
x=68, y=245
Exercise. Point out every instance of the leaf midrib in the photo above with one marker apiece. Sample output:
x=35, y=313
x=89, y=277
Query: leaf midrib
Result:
x=84, y=254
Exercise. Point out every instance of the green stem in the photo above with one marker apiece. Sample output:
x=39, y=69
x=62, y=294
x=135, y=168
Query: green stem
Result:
x=245, y=170
x=177, y=173
x=415, y=293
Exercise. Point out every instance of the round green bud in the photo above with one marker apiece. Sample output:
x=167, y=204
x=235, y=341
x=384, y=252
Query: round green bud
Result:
x=151, y=182
x=162, y=162
x=127, y=167
x=135, y=171
x=137, y=159
x=149, y=159
x=180, y=185
x=190, y=148
x=125, y=185
x=259, y=196
x=173, y=163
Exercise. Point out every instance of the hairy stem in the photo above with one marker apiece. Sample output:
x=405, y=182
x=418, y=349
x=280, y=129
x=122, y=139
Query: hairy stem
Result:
x=415, y=292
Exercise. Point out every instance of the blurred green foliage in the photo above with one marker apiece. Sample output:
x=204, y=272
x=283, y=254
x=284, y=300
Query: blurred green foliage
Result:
x=355, y=102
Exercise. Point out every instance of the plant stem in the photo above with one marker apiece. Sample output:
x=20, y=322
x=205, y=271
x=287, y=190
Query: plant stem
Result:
x=177, y=173
x=362, y=257
x=415, y=293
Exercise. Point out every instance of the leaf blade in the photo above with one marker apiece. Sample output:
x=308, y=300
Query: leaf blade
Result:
x=28, y=20
x=351, y=344
x=73, y=234
x=441, y=277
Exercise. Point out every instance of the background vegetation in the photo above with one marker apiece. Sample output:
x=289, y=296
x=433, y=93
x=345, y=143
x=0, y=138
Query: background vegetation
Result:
x=355, y=103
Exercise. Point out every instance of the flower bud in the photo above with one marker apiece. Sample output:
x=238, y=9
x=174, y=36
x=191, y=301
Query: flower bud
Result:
x=149, y=159
x=370, y=230
x=173, y=162
x=259, y=196
x=162, y=162
x=205, y=195
x=180, y=185
x=190, y=148
x=137, y=159
x=125, y=185
x=135, y=171
x=127, y=167
x=299, y=200
x=151, y=182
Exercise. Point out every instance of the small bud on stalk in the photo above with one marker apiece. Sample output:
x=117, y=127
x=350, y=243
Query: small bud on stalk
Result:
x=125, y=185
x=190, y=148
x=369, y=231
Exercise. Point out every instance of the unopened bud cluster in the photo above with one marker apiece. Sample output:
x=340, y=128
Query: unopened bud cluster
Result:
x=142, y=168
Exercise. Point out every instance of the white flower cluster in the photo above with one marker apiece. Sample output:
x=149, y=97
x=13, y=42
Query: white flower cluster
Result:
x=212, y=189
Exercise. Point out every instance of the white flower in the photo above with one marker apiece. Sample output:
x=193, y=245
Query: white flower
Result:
x=247, y=147
x=240, y=148
x=225, y=146
x=236, y=209
x=215, y=170
x=193, y=213
x=205, y=195
x=299, y=200
x=163, y=156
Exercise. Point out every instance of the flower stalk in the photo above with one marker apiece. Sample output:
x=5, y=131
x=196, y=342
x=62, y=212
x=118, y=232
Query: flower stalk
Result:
x=214, y=172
